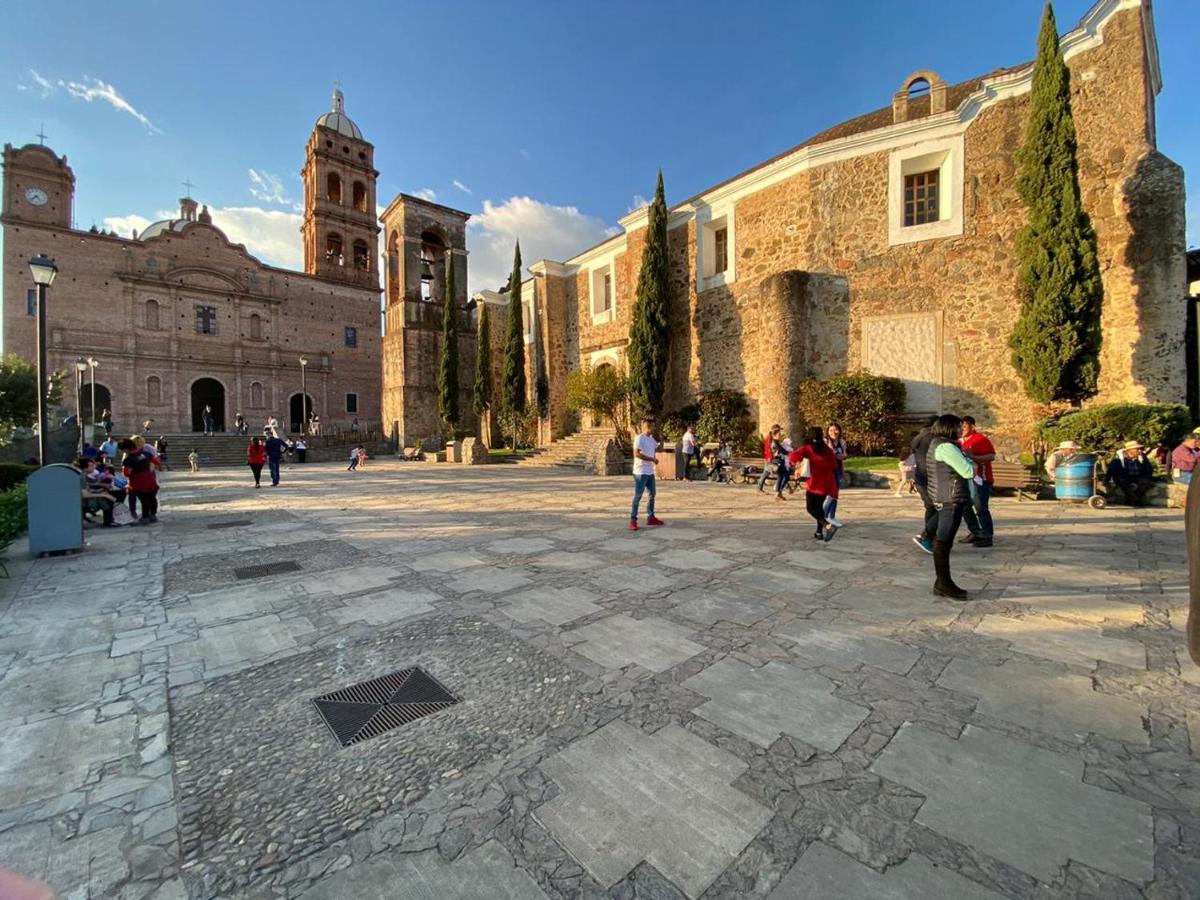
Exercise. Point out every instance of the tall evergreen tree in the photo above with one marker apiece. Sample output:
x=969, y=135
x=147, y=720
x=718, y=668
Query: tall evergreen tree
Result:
x=541, y=384
x=448, y=365
x=481, y=398
x=512, y=397
x=649, y=335
x=1056, y=339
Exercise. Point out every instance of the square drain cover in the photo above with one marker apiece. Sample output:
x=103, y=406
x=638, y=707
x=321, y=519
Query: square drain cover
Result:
x=367, y=710
x=233, y=523
x=275, y=568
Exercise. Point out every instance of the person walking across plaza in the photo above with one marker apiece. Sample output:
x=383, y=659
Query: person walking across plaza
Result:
x=275, y=447
x=1129, y=475
x=194, y=460
x=977, y=448
x=645, y=458
x=138, y=466
x=920, y=450
x=301, y=450
x=691, y=450
x=256, y=458
x=209, y=420
x=353, y=459
x=1183, y=458
x=837, y=443
x=950, y=481
x=822, y=481
x=106, y=420
x=770, y=446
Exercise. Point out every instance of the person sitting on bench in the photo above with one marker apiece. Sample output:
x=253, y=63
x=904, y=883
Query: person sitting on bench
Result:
x=1129, y=475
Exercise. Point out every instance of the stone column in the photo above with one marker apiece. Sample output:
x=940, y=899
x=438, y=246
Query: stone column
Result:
x=779, y=363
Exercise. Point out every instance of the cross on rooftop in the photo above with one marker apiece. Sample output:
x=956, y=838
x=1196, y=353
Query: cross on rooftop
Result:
x=41, y=134
x=188, y=184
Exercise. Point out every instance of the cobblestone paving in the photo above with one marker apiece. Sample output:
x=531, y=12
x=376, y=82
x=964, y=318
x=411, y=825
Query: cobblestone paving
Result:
x=720, y=708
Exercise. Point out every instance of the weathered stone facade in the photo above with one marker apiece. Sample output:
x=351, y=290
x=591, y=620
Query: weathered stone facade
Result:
x=823, y=276
x=180, y=317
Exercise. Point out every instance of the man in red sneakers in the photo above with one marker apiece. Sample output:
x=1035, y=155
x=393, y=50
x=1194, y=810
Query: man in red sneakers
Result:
x=645, y=458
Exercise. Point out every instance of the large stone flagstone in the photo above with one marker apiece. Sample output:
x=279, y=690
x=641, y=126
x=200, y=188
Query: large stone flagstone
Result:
x=89, y=865
x=1058, y=703
x=900, y=605
x=639, y=579
x=385, y=607
x=28, y=689
x=824, y=873
x=760, y=704
x=778, y=581
x=619, y=641
x=626, y=796
x=845, y=646
x=486, y=873
x=556, y=606
x=489, y=580
x=687, y=560
x=1021, y=804
x=224, y=647
x=520, y=545
x=52, y=756
x=1068, y=642
x=710, y=605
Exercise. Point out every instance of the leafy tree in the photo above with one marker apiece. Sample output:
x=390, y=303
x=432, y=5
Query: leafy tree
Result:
x=512, y=398
x=18, y=392
x=481, y=398
x=448, y=365
x=1056, y=340
x=649, y=335
x=603, y=392
x=867, y=406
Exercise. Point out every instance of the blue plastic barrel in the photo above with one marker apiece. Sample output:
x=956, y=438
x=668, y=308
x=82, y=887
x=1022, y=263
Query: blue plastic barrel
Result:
x=1074, y=480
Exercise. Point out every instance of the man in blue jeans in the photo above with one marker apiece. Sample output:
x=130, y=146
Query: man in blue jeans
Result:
x=645, y=458
x=977, y=448
x=275, y=448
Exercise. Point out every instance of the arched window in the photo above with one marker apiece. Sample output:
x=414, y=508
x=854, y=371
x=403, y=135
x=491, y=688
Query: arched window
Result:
x=151, y=317
x=255, y=327
x=918, y=87
x=154, y=390
x=433, y=265
x=256, y=395
x=333, y=187
x=360, y=196
x=362, y=256
x=333, y=248
x=393, y=267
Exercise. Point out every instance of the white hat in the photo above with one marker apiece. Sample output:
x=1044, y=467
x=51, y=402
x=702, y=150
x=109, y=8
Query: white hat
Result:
x=1067, y=445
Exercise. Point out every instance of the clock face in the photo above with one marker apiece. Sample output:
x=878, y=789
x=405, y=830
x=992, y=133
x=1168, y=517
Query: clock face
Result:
x=36, y=196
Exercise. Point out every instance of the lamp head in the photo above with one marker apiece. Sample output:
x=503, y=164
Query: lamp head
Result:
x=43, y=269
x=303, y=361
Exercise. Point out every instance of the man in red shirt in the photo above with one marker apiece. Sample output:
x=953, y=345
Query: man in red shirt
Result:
x=980, y=451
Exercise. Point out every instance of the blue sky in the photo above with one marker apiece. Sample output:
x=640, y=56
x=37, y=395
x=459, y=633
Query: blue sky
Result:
x=547, y=120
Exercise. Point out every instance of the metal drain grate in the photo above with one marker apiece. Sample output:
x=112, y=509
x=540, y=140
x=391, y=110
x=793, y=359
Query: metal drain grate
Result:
x=367, y=710
x=233, y=523
x=275, y=568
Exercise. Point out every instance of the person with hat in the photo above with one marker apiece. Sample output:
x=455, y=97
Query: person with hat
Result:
x=1129, y=475
x=1183, y=458
x=1064, y=453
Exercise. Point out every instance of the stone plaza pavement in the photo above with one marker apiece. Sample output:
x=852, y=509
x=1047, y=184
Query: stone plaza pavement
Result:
x=718, y=708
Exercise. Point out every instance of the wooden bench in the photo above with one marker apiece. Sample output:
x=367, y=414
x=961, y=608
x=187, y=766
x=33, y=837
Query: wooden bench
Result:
x=1010, y=476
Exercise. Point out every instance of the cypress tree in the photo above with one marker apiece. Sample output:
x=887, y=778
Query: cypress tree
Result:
x=541, y=385
x=1056, y=340
x=448, y=366
x=482, y=395
x=648, y=335
x=512, y=399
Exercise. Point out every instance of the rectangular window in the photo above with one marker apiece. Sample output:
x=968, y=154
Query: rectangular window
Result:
x=720, y=250
x=606, y=296
x=31, y=301
x=351, y=336
x=352, y=403
x=206, y=320
x=602, y=299
x=921, y=198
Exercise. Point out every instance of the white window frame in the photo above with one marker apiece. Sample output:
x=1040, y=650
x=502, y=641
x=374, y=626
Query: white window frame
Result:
x=596, y=290
x=944, y=155
x=708, y=222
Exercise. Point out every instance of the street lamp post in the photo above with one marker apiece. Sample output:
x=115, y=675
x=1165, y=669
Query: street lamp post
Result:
x=81, y=366
x=303, y=396
x=92, y=364
x=43, y=270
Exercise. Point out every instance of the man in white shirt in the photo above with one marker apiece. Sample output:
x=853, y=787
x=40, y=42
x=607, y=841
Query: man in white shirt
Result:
x=690, y=450
x=645, y=458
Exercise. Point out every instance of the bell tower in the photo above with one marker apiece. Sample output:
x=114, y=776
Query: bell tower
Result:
x=341, y=231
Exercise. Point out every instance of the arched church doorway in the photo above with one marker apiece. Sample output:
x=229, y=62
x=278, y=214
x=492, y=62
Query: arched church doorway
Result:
x=208, y=392
x=89, y=411
x=298, y=411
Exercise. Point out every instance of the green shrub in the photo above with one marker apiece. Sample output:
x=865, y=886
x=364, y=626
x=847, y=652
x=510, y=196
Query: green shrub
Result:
x=13, y=516
x=523, y=424
x=867, y=406
x=604, y=393
x=12, y=474
x=674, y=424
x=725, y=416
x=1105, y=427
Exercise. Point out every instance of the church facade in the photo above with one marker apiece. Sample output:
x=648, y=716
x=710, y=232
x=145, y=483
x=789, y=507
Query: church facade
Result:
x=888, y=243
x=178, y=317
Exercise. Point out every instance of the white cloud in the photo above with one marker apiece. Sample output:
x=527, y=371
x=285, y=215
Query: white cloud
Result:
x=524, y=152
x=45, y=84
x=637, y=203
x=545, y=231
x=94, y=89
x=462, y=187
x=426, y=194
x=267, y=187
x=269, y=234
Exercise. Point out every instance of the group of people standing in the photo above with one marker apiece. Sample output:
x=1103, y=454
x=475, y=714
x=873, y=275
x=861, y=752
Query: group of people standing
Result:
x=104, y=488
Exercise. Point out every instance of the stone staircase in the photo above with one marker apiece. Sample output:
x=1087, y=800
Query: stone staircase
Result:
x=571, y=451
x=222, y=450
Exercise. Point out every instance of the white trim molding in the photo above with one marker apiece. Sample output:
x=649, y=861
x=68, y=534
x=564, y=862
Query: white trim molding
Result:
x=709, y=220
x=946, y=156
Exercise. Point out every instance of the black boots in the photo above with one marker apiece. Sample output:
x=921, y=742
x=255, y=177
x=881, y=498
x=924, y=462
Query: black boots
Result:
x=944, y=586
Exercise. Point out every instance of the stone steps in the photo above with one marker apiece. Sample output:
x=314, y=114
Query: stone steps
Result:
x=568, y=452
x=222, y=450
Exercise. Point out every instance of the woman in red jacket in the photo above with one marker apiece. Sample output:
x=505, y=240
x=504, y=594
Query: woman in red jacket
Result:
x=256, y=456
x=138, y=466
x=822, y=480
